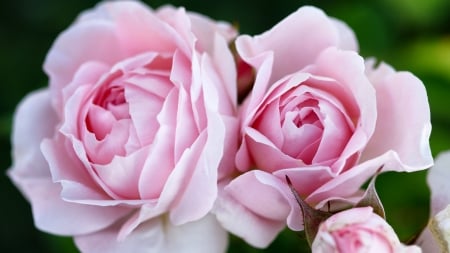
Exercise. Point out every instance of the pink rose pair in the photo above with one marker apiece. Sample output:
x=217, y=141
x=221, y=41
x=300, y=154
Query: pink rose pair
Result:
x=139, y=145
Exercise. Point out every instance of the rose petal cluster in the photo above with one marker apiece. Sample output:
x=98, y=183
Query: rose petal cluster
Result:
x=125, y=147
x=358, y=230
x=322, y=115
x=140, y=142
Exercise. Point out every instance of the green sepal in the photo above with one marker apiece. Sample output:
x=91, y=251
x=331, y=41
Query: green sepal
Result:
x=312, y=218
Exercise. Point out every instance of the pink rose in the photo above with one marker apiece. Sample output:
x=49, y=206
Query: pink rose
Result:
x=123, y=151
x=323, y=116
x=358, y=230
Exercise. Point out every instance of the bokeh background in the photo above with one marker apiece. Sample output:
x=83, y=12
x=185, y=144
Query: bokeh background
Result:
x=411, y=35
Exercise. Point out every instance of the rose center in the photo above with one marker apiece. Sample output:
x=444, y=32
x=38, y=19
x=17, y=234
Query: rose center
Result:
x=108, y=108
x=112, y=99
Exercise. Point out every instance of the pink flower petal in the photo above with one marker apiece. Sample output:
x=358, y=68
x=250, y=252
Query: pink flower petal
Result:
x=403, y=123
x=241, y=220
x=265, y=154
x=159, y=235
x=75, y=47
x=139, y=29
x=162, y=146
x=305, y=33
x=34, y=120
x=122, y=174
x=437, y=179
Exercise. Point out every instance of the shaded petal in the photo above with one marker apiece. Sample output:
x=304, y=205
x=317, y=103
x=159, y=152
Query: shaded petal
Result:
x=139, y=29
x=428, y=242
x=265, y=154
x=238, y=216
x=122, y=174
x=301, y=178
x=54, y=215
x=348, y=69
x=31, y=173
x=156, y=170
x=159, y=235
x=348, y=183
x=438, y=178
x=95, y=40
x=403, y=123
x=347, y=38
x=303, y=34
x=201, y=191
x=34, y=120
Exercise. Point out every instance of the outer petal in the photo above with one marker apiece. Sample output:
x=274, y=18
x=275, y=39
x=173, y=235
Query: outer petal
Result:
x=428, y=242
x=403, y=123
x=74, y=47
x=159, y=235
x=438, y=178
x=346, y=184
x=34, y=120
x=347, y=38
x=296, y=40
x=31, y=174
x=257, y=220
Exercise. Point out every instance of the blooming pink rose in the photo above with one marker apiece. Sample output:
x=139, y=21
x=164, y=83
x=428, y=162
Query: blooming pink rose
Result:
x=123, y=151
x=321, y=115
x=358, y=230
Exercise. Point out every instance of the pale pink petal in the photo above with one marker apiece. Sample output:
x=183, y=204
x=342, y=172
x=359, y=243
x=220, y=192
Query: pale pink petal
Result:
x=162, y=146
x=139, y=29
x=304, y=34
x=103, y=151
x=202, y=27
x=143, y=111
x=122, y=174
x=263, y=64
x=89, y=73
x=95, y=40
x=298, y=140
x=238, y=219
x=265, y=154
x=201, y=191
x=268, y=123
x=438, y=178
x=403, y=123
x=34, y=120
x=54, y=215
x=336, y=133
x=220, y=68
x=227, y=165
x=159, y=235
x=65, y=165
x=222, y=95
x=186, y=130
x=348, y=69
x=347, y=183
x=427, y=242
x=244, y=188
x=52, y=212
x=347, y=38
x=301, y=178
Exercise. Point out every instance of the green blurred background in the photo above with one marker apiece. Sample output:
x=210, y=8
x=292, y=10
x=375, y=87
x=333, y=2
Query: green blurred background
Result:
x=411, y=35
